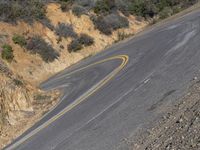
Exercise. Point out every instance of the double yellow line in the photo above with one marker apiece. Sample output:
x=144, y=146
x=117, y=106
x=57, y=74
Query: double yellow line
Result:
x=124, y=59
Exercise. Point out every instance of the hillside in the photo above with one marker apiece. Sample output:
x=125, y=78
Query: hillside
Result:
x=39, y=38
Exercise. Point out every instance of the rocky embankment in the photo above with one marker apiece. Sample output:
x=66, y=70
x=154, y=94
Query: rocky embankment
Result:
x=20, y=105
x=179, y=128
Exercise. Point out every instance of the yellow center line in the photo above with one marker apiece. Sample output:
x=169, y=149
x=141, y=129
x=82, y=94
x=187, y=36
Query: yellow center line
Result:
x=124, y=59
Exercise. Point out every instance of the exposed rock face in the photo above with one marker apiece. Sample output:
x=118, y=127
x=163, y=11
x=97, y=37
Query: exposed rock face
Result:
x=15, y=99
x=21, y=105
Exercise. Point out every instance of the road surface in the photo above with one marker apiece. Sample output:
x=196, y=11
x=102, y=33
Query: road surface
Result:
x=108, y=98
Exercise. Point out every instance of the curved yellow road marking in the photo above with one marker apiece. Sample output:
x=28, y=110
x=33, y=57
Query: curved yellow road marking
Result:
x=124, y=59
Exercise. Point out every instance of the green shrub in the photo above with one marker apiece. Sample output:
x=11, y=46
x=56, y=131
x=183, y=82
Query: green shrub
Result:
x=102, y=25
x=176, y=9
x=116, y=21
x=123, y=6
x=29, y=10
x=78, y=43
x=104, y=6
x=101, y=7
x=137, y=8
x=121, y=36
x=78, y=10
x=65, y=5
x=106, y=24
x=18, y=9
x=166, y=12
x=7, y=52
x=147, y=8
x=65, y=30
x=75, y=46
x=86, y=40
x=36, y=45
x=86, y=3
x=19, y=39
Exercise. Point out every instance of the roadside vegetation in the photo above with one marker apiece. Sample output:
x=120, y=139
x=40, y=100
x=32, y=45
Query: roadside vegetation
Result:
x=161, y=8
x=30, y=10
x=65, y=30
x=121, y=36
x=109, y=23
x=37, y=45
x=7, y=53
x=106, y=17
x=80, y=42
x=20, y=40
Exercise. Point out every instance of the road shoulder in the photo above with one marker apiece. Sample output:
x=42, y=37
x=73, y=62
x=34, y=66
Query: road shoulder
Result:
x=179, y=127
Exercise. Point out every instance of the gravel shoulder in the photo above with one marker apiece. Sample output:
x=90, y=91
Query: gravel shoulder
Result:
x=178, y=129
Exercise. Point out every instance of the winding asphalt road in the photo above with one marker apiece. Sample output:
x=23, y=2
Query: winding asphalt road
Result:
x=110, y=97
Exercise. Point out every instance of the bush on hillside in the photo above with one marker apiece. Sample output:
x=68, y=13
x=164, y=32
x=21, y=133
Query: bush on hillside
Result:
x=30, y=10
x=36, y=45
x=166, y=12
x=101, y=25
x=116, y=21
x=19, y=39
x=78, y=43
x=7, y=53
x=143, y=8
x=65, y=5
x=27, y=10
x=146, y=8
x=123, y=6
x=19, y=9
x=65, y=30
x=86, y=3
x=78, y=10
x=104, y=6
x=106, y=24
x=86, y=40
x=75, y=46
x=121, y=36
